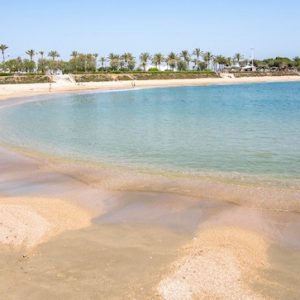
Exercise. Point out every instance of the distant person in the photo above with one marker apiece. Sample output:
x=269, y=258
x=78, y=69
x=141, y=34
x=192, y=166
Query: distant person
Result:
x=50, y=85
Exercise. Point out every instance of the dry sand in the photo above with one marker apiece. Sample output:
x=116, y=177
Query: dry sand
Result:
x=24, y=90
x=31, y=221
x=216, y=265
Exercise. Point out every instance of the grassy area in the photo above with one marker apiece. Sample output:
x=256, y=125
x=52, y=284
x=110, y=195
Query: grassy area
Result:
x=12, y=79
x=142, y=76
x=135, y=75
x=260, y=74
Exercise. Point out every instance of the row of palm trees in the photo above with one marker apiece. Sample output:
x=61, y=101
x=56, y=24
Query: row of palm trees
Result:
x=200, y=60
x=31, y=53
x=182, y=61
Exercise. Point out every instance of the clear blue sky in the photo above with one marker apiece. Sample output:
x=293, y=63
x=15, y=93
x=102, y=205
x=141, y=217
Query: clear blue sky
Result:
x=221, y=26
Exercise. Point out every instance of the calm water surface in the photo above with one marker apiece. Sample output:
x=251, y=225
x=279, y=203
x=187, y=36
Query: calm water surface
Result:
x=249, y=129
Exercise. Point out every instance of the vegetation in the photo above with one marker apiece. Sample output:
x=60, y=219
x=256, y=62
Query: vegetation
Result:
x=31, y=54
x=279, y=63
x=195, y=61
x=157, y=60
x=151, y=75
x=29, y=78
x=3, y=48
x=260, y=74
x=144, y=58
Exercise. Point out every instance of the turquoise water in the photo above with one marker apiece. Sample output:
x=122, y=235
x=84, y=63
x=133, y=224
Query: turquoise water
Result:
x=249, y=129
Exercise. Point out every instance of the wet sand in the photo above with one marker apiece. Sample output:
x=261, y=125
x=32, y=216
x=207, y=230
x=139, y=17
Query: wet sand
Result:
x=25, y=90
x=148, y=239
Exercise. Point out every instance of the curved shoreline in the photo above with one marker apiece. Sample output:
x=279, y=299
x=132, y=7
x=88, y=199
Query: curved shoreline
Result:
x=9, y=91
x=246, y=231
x=260, y=193
x=233, y=236
x=240, y=178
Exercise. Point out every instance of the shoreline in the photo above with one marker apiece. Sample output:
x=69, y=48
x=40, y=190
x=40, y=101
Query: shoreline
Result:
x=269, y=192
x=8, y=91
x=80, y=183
x=135, y=223
x=122, y=223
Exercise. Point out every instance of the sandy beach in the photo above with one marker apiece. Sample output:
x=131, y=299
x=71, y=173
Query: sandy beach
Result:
x=70, y=230
x=24, y=90
x=57, y=226
x=149, y=150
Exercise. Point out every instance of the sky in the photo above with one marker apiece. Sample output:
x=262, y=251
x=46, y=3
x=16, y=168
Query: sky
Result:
x=225, y=27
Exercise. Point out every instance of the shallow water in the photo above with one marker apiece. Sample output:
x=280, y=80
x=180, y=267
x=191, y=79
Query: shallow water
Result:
x=135, y=236
x=240, y=129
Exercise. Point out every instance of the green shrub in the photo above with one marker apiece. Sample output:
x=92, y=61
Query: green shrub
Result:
x=153, y=70
x=259, y=74
x=6, y=74
x=24, y=79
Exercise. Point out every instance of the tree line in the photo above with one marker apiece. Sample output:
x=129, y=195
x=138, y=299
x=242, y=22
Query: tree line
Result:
x=196, y=60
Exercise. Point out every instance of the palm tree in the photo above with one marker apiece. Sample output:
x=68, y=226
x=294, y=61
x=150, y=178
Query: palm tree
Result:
x=229, y=61
x=219, y=62
x=207, y=58
x=198, y=53
x=74, y=54
x=41, y=62
x=128, y=60
x=96, y=56
x=125, y=57
x=172, y=60
x=89, y=62
x=53, y=54
x=102, y=60
x=114, y=61
x=3, y=48
x=157, y=59
x=238, y=57
x=186, y=57
x=30, y=53
x=144, y=57
x=74, y=61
